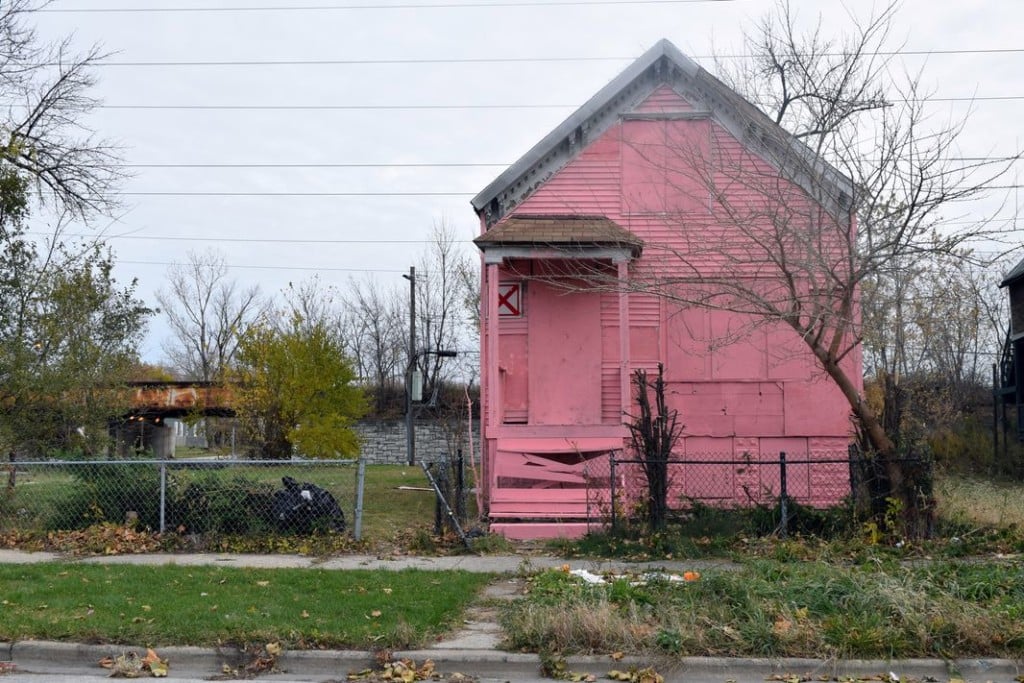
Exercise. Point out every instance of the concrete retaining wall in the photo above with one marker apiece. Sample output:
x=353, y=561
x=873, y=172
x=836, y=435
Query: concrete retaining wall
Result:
x=383, y=441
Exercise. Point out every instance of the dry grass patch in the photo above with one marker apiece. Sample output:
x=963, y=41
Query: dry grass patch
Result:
x=980, y=502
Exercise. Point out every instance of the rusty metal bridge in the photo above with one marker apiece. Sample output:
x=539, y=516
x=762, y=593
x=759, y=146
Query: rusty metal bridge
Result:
x=152, y=400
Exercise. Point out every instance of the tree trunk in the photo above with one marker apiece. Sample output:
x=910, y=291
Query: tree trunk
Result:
x=909, y=506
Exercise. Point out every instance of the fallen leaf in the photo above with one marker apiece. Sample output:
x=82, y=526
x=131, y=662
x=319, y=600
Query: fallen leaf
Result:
x=305, y=614
x=375, y=613
x=617, y=656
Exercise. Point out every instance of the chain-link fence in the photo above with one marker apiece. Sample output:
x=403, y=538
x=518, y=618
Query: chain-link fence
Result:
x=211, y=496
x=701, y=481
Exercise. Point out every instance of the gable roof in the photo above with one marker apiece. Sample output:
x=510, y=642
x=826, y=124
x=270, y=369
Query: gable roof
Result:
x=663, y=64
x=1013, y=275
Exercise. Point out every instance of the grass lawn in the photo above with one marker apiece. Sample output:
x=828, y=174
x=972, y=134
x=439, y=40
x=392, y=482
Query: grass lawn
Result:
x=776, y=609
x=168, y=605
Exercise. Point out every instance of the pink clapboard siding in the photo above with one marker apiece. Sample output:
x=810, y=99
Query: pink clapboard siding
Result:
x=742, y=390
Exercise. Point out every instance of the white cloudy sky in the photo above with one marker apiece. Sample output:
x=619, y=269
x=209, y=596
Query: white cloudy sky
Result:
x=403, y=89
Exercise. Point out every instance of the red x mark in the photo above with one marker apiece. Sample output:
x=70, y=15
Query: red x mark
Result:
x=508, y=302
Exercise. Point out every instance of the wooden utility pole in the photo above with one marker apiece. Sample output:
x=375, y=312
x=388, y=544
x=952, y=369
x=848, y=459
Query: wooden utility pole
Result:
x=410, y=426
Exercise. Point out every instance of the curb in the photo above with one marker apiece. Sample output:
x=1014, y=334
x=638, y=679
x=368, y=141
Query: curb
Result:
x=49, y=657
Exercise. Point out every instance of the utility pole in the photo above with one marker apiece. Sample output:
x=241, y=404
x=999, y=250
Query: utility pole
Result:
x=410, y=425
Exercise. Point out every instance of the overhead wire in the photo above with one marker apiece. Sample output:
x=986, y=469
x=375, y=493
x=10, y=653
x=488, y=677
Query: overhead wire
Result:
x=329, y=241
x=167, y=9
x=357, y=165
x=452, y=193
x=412, y=61
x=453, y=107
x=260, y=267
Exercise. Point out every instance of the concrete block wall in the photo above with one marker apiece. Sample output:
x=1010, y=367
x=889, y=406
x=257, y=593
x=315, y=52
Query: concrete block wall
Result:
x=383, y=441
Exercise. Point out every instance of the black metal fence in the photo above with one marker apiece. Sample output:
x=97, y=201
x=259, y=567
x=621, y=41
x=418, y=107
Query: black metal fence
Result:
x=208, y=496
x=724, y=482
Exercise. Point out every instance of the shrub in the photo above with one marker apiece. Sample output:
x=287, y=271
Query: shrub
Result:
x=211, y=504
x=106, y=493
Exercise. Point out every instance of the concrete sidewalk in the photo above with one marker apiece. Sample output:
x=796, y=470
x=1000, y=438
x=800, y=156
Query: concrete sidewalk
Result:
x=473, y=650
x=498, y=564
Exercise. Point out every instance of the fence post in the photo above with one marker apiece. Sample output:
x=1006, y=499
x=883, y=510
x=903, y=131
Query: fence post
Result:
x=163, y=496
x=442, y=480
x=783, y=495
x=611, y=461
x=357, y=531
x=460, y=486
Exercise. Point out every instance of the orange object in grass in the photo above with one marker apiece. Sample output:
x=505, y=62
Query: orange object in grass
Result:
x=691, y=576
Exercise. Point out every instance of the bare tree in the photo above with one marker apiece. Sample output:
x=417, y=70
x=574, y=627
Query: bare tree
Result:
x=318, y=305
x=376, y=334
x=207, y=312
x=46, y=90
x=654, y=433
x=447, y=305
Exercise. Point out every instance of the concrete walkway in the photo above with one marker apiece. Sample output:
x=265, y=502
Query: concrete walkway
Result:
x=472, y=650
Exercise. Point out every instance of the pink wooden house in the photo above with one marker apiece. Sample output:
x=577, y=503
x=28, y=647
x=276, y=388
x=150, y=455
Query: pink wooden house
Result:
x=608, y=191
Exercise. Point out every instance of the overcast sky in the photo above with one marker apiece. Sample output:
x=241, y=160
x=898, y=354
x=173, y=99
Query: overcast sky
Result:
x=403, y=92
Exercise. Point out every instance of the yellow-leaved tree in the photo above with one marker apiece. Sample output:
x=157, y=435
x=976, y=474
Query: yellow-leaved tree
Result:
x=296, y=391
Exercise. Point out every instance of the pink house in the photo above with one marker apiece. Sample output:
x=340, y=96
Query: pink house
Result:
x=625, y=188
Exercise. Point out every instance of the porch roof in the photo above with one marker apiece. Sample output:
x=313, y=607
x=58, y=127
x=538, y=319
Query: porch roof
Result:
x=553, y=235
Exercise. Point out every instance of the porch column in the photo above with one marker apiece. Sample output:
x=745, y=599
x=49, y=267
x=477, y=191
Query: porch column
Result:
x=624, y=377
x=493, y=380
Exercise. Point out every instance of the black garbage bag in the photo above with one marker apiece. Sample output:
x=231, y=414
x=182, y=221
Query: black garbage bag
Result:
x=305, y=507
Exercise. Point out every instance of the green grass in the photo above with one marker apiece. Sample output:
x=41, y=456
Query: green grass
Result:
x=168, y=605
x=775, y=609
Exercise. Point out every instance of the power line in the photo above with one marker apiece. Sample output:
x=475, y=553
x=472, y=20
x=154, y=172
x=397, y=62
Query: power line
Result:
x=296, y=165
x=347, y=7
x=329, y=107
x=293, y=194
x=176, y=238
x=320, y=165
x=202, y=193
x=500, y=60
x=445, y=107
x=272, y=240
x=256, y=267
